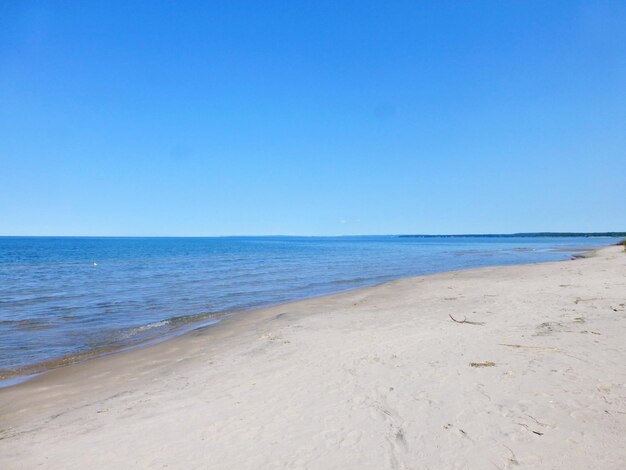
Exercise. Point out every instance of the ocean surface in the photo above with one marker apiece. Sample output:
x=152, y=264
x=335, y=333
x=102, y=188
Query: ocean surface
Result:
x=67, y=298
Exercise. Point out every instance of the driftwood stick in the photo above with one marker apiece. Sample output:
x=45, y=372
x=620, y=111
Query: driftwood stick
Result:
x=465, y=320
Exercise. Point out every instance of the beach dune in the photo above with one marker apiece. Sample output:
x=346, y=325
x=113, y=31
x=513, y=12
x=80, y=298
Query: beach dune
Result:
x=503, y=367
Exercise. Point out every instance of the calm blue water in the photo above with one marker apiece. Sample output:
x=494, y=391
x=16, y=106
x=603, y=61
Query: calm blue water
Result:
x=62, y=297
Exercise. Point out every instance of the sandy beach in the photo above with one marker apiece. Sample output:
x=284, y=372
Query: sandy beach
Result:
x=504, y=367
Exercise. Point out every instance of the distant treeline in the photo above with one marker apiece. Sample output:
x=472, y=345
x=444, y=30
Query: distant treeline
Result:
x=525, y=235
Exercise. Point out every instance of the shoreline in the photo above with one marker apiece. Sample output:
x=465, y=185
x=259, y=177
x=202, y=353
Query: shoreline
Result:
x=376, y=377
x=12, y=377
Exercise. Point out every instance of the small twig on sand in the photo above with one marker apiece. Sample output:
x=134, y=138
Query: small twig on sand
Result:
x=482, y=364
x=466, y=321
x=540, y=348
x=537, y=421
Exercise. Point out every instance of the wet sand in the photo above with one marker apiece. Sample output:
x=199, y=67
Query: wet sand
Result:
x=502, y=367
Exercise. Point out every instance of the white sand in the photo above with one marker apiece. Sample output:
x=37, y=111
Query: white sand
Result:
x=370, y=379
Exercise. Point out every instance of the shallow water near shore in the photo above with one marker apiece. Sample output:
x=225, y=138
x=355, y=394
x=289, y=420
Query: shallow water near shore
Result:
x=64, y=298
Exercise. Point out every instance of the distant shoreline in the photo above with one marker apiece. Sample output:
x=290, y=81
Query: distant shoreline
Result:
x=526, y=235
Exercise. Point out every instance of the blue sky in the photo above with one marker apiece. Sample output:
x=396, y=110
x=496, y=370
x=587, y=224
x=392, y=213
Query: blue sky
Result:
x=311, y=118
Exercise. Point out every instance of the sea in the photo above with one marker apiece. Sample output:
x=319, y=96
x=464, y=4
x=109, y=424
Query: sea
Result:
x=63, y=299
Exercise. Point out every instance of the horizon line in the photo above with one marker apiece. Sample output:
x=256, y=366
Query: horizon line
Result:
x=609, y=234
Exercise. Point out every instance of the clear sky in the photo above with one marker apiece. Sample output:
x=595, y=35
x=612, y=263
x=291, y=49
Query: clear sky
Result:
x=311, y=117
